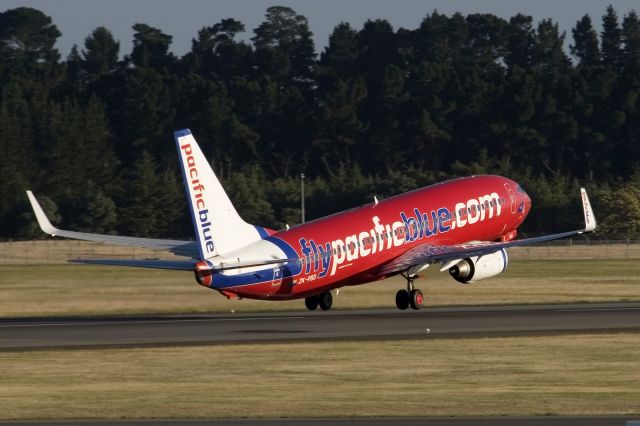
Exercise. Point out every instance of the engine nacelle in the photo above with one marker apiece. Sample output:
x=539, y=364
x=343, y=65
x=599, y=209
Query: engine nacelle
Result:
x=477, y=268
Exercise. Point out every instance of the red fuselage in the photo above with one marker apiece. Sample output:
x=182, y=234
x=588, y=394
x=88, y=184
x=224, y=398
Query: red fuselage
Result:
x=349, y=248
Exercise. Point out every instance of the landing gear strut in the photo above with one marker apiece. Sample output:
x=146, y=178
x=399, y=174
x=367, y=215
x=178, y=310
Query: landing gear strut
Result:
x=410, y=297
x=324, y=300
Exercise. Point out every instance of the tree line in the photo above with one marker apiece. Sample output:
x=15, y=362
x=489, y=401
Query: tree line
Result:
x=379, y=111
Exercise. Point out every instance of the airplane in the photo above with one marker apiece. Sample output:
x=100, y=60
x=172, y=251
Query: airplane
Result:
x=465, y=225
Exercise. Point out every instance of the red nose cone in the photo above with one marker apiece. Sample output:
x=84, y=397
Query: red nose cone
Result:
x=204, y=274
x=527, y=203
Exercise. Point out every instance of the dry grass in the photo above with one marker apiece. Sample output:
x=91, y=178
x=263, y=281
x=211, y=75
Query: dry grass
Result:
x=60, y=251
x=564, y=375
x=81, y=290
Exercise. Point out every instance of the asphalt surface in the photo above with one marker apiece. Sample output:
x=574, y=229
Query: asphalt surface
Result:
x=133, y=331
x=38, y=333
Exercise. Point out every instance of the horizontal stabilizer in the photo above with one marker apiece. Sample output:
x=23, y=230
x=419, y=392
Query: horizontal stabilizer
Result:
x=181, y=265
x=177, y=265
x=252, y=263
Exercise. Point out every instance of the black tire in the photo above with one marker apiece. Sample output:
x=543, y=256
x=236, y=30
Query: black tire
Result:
x=325, y=300
x=402, y=299
x=416, y=299
x=311, y=302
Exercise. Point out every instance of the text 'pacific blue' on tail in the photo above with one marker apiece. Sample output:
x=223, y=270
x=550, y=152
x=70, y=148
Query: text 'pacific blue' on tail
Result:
x=218, y=227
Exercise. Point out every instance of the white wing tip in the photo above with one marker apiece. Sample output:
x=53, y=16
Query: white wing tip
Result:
x=589, y=218
x=41, y=217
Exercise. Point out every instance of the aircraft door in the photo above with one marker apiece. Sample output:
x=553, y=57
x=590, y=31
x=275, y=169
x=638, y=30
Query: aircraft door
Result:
x=512, y=197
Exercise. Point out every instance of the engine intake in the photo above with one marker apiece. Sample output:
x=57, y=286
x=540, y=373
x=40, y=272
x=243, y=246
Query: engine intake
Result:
x=472, y=269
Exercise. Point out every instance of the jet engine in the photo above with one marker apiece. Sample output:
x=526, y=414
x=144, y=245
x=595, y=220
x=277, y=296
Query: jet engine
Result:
x=472, y=269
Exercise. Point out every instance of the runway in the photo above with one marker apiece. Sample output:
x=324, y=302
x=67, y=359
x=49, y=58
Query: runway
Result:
x=429, y=323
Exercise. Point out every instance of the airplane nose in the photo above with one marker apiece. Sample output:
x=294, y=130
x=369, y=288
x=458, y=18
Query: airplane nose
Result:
x=527, y=202
x=524, y=202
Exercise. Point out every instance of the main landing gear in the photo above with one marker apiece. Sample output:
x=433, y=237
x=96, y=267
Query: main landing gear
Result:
x=324, y=300
x=410, y=297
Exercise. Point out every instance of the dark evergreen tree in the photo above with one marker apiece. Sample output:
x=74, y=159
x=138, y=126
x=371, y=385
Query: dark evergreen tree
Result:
x=249, y=197
x=339, y=60
x=141, y=212
x=217, y=51
x=16, y=161
x=27, y=37
x=97, y=212
x=339, y=135
x=611, y=38
x=151, y=48
x=379, y=112
x=284, y=47
x=101, y=52
x=631, y=40
x=520, y=41
x=629, y=97
x=585, y=46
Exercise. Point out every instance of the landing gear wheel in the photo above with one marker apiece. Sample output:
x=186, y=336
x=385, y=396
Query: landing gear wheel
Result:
x=416, y=299
x=311, y=302
x=325, y=300
x=402, y=299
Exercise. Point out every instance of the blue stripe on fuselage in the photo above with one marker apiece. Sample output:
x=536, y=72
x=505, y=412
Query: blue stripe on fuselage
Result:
x=262, y=232
x=290, y=269
x=222, y=281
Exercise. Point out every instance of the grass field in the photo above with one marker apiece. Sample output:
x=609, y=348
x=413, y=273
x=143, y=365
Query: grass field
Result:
x=43, y=290
x=575, y=374
x=563, y=375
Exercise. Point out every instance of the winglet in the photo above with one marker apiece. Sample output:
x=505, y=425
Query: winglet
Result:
x=589, y=217
x=43, y=221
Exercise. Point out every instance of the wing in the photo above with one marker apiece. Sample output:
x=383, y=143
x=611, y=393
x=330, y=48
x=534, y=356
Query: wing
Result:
x=428, y=254
x=182, y=248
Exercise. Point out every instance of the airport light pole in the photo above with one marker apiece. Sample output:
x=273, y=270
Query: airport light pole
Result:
x=302, y=196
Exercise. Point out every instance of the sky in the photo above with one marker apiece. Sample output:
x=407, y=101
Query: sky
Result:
x=76, y=19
